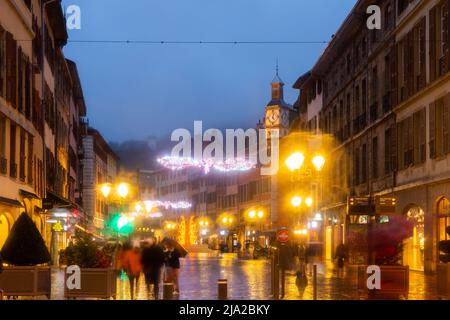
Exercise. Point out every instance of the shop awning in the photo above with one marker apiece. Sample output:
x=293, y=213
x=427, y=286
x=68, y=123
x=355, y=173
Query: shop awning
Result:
x=28, y=195
x=10, y=202
x=53, y=200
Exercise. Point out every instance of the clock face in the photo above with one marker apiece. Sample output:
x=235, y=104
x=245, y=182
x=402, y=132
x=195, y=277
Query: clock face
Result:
x=272, y=117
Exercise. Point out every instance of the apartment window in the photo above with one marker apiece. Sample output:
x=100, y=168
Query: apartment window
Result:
x=444, y=28
x=30, y=159
x=406, y=142
x=2, y=135
x=387, y=151
x=12, y=151
x=402, y=5
x=364, y=97
x=22, y=155
x=375, y=157
x=439, y=127
x=388, y=16
x=2, y=62
x=364, y=164
x=356, y=166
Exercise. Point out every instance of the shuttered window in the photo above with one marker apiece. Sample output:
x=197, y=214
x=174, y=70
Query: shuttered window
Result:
x=375, y=157
x=11, y=70
x=2, y=62
x=432, y=115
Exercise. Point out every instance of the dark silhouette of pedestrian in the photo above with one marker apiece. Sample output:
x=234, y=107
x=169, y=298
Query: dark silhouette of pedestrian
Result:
x=340, y=256
x=152, y=261
x=173, y=266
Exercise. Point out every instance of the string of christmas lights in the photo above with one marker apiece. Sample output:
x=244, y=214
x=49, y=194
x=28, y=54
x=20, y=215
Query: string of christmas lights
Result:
x=229, y=165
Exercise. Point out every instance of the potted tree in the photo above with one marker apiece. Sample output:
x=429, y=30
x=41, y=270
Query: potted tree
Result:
x=27, y=273
x=443, y=268
x=97, y=277
x=386, y=249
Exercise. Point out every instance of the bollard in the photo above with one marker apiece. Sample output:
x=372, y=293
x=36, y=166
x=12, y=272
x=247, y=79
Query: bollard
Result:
x=168, y=291
x=222, y=288
x=315, y=282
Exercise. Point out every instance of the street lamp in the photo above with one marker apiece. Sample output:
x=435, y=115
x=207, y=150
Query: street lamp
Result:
x=318, y=162
x=295, y=161
x=260, y=214
x=296, y=201
x=123, y=190
x=106, y=190
x=309, y=202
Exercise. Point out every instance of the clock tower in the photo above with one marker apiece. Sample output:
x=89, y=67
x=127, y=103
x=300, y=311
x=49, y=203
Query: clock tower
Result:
x=278, y=112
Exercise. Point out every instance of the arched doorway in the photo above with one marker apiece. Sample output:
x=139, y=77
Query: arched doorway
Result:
x=414, y=247
x=443, y=218
x=5, y=227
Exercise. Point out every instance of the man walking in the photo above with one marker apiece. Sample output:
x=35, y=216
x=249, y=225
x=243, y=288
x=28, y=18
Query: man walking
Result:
x=152, y=261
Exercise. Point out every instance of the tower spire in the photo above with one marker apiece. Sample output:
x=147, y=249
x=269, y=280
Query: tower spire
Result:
x=277, y=67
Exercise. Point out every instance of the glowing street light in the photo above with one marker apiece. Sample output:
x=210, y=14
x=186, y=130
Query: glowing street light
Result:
x=105, y=190
x=260, y=214
x=138, y=207
x=309, y=202
x=252, y=214
x=295, y=161
x=123, y=190
x=296, y=201
x=318, y=162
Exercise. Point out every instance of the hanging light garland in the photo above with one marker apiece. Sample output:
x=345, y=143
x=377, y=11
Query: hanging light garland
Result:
x=229, y=165
x=150, y=204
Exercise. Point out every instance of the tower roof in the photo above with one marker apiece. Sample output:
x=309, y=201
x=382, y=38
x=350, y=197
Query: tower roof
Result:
x=277, y=78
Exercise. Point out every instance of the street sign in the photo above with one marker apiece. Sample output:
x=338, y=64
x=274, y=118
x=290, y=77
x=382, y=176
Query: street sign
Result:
x=360, y=206
x=283, y=236
x=385, y=205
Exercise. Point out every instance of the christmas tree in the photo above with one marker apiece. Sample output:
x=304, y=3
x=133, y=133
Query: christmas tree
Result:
x=25, y=245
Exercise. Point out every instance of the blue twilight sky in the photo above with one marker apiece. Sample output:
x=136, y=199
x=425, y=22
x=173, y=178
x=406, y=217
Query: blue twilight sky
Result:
x=137, y=90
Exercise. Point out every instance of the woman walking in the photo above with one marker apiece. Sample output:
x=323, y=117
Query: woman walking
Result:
x=173, y=266
x=131, y=264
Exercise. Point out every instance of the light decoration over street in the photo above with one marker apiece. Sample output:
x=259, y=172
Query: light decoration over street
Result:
x=150, y=204
x=229, y=165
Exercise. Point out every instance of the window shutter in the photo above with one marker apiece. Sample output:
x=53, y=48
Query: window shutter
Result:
x=394, y=140
x=422, y=54
x=433, y=44
x=445, y=28
x=401, y=153
x=445, y=125
x=423, y=135
x=439, y=115
x=432, y=116
x=416, y=138
x=2, y=62
x=394, y=76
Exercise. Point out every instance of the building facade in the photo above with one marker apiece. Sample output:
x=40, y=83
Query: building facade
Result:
x=383, y=96
x=99, y=166
x=42, y=111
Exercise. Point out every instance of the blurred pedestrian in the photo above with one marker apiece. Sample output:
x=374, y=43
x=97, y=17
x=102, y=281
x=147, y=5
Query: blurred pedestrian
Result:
x=301, y=280
x=340, y=256
x=173, y=266
x=152, y=260
x=131, y=265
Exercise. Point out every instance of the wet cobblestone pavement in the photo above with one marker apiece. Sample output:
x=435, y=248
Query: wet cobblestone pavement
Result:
x=250, y=280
